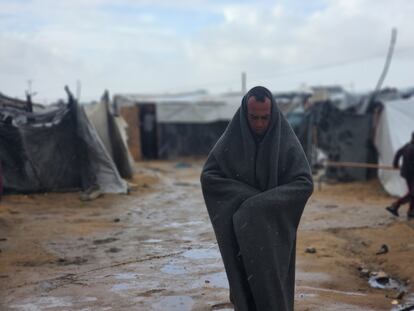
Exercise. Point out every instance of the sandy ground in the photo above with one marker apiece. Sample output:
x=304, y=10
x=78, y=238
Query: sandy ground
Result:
x=155, y=249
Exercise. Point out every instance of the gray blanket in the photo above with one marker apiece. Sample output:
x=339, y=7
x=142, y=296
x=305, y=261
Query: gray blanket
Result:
x=255, y=193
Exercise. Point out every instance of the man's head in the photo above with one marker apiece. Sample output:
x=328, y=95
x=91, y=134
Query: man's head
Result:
x=259, y=109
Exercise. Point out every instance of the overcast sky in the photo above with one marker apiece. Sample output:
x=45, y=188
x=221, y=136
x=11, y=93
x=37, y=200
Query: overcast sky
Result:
x=141, y=46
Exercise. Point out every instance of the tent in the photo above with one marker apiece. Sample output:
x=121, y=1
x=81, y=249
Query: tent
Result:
x=394, y=128
x=112, y=130
x=175, y=125
x=6, y=101
x=344, y=136
x=54, y=150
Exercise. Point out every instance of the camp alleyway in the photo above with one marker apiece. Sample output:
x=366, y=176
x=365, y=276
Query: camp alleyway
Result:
x=155, y=249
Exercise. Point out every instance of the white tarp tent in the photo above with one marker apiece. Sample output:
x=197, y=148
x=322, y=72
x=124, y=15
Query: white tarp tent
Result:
x=116, y=142
x=195, y=112
x=394, y=129
x=192, y=108
x=98, y=116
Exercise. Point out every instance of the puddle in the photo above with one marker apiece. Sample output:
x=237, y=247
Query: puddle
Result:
x=174, y=303
x=217, y=280
x=122, y=286
x=196, y=222
x=126, y=276
x=152, y=241
x=133, y=286
x=203, y=253
x=330, y=291
x=173, y=269
x=43, y=303
x=182, y=224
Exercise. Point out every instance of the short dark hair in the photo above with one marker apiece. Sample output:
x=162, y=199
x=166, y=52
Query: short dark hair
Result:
x=260, y=93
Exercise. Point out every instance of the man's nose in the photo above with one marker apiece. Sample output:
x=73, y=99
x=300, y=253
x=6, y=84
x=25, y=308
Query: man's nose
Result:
x=260, y=123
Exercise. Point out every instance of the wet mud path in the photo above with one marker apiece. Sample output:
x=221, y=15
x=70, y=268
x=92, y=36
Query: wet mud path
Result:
x=155, y=249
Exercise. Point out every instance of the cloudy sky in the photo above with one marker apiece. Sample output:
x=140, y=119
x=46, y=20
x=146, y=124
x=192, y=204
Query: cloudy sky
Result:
x=141, y=46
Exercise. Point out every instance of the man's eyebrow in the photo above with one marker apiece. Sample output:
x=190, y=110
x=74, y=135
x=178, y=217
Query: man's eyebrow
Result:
x=255, y=115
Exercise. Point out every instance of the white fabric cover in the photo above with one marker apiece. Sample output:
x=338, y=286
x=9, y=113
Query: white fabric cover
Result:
x=98, y=116
x=194, y=108
x=394, y=129
x=123, y=128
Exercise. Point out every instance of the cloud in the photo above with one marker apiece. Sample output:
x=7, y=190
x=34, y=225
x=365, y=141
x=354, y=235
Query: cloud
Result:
x=341, y=32
x=139, y=46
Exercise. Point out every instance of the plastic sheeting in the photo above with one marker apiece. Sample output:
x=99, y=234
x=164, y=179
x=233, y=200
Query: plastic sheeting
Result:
x=198, y=112
x=342, y=135
x=100, y=163
x=58, y=150
x=186, y=124
x=112, y=132
x=191, y=139
x=197, y=108
x=122, y=128
x=394, y=129
x=39, y=156
x=8, y=102
x=98, y=116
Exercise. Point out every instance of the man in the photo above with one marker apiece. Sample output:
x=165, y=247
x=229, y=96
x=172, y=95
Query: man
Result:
x=407, y=172
x=255, y=183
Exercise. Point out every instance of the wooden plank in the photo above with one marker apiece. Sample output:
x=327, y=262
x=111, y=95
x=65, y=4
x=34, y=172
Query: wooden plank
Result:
x=360, y=164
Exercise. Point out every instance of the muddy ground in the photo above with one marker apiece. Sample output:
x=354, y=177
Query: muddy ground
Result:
x=155, y=249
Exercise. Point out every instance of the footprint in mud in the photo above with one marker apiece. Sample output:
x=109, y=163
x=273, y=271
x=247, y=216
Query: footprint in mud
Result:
x=71, y=261
x=113, y=250
x=185, y=184
x=13, y=212
x=104, y=241
x=33, y=263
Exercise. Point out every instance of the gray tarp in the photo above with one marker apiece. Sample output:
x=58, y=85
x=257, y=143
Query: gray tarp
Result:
x=58, y=150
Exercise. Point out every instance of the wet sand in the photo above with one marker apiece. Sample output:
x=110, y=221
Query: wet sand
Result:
x=155, y=249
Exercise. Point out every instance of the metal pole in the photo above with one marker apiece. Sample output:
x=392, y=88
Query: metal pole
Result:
x=387, y=63
x=243, y=78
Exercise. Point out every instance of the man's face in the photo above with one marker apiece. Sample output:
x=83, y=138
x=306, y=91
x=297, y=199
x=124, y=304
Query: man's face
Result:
x=258, y=114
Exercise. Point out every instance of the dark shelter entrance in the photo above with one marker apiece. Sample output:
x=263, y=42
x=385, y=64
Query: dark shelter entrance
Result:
x=148, y=128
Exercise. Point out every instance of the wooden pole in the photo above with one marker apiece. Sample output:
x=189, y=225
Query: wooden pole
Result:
x=361, y=165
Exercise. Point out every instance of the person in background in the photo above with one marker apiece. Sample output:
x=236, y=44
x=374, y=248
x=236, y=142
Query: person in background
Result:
x=1, y=181
x=407, y=172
